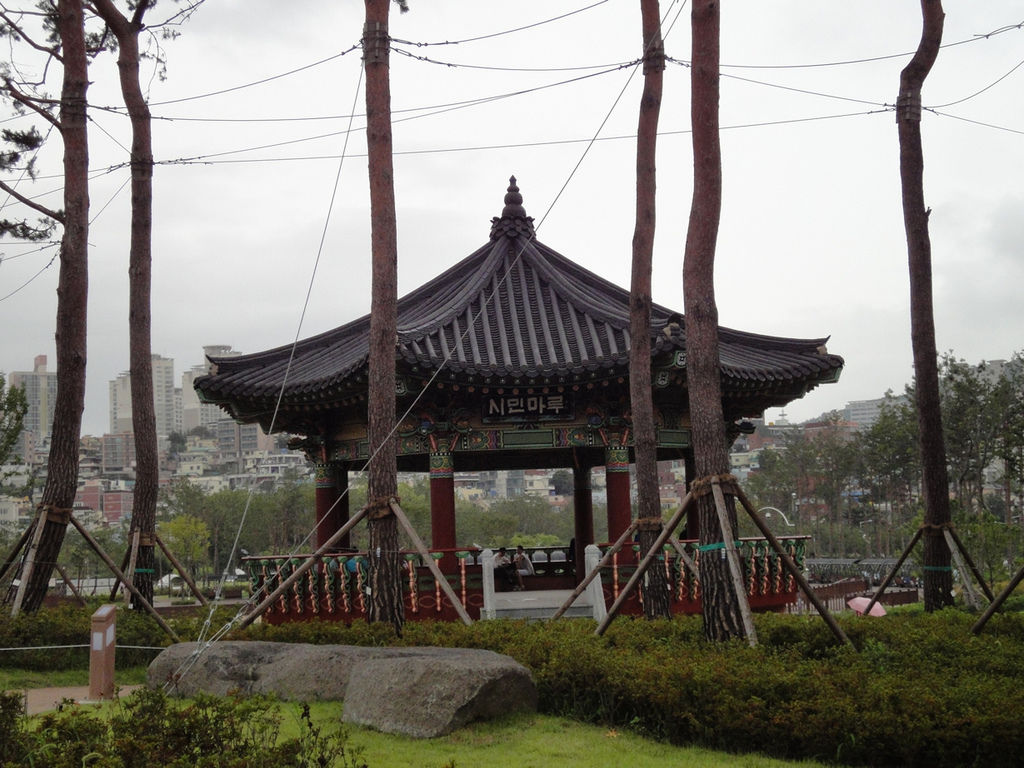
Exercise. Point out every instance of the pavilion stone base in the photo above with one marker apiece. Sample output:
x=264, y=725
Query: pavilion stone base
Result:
x=417, y=692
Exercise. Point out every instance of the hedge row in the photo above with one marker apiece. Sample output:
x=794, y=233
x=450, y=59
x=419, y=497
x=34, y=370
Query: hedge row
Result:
x=916, y=690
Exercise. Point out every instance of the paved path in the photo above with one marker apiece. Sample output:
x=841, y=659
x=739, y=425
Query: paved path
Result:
x=38, y=700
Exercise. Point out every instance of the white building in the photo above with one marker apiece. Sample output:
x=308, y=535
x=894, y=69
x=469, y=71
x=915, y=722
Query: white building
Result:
x=193, y=412
x=40, y=388
x=168, y=418
x=864, y=413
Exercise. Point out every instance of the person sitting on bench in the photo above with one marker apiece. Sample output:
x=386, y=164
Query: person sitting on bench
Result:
x=523, y=566
x=503, y=564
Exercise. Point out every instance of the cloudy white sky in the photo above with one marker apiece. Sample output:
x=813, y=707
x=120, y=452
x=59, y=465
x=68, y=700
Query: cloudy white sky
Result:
x=254, y=134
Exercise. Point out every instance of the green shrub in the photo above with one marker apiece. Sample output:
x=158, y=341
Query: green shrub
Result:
x=148, y=729
x=917, y=689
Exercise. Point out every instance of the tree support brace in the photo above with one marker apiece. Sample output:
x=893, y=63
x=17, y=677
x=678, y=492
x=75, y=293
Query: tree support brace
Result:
x=644, y=564
x=431, y=563
x=299, y=572
x=181, y=571
x=732, y=557
x=608, y=556
x=955, y=546
x=120, y=575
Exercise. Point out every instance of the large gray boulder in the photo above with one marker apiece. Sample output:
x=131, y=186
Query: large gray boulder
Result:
x=291, y=671
x=418, y=692
x=433, y=691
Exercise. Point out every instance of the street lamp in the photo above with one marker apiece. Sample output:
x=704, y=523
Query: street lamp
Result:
x=768, y=513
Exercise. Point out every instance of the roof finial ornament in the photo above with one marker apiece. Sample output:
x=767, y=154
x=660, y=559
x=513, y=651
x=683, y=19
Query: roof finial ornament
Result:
x=513, y=221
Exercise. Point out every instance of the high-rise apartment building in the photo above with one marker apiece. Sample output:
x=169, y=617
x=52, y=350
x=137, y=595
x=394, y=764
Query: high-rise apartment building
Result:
x=40, y=388
x=168, y=418
x=193, y=412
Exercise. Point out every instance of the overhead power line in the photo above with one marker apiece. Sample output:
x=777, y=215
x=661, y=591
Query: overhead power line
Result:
x=504, y=32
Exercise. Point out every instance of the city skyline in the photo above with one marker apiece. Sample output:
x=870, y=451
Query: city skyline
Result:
x=261, y=222
x=210, y=413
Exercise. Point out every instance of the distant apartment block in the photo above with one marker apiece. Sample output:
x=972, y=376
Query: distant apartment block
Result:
x=40, y=388
x=168, y=418
x=117, y=454
x=110, y=501
x=193, y=412
x=864, y=413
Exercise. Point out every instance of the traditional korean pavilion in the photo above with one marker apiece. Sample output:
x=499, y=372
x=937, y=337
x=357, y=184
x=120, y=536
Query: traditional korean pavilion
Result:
x=514, y=358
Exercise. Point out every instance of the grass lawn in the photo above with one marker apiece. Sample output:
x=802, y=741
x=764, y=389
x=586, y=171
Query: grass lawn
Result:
x=523, y=741
x=526, y=741
x=14, y=679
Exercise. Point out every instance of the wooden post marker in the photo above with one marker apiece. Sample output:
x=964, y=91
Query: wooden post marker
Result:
x=101, y=653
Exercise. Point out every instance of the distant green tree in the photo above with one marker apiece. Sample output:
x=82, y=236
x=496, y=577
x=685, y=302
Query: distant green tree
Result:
x=189, y=538
x=178, y=442
x=774, y=482
x=182, y=497
x=973, y=424
x=13, y=407
x=1008, y=398
x=561, y=481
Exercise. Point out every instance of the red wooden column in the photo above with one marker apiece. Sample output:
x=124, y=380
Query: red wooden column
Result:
x=327, y=495
x=583, y=515
x=442, y=500
x=616, y=468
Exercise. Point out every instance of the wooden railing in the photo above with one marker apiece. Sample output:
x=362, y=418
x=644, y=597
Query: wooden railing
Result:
x=334, y=589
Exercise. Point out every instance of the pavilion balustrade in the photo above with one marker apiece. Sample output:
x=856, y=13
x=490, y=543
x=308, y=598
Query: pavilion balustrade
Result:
x=334, y=589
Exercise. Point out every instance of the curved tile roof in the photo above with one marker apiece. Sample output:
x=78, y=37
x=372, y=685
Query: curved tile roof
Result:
x=513, y=309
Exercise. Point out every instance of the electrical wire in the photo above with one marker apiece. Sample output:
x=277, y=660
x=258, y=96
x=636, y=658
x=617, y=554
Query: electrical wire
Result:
x=507, y=31
x=991, y=85
x=871, y=59
x=977, y=122
x=492, y=68
x=188, y=663
x=254, y=83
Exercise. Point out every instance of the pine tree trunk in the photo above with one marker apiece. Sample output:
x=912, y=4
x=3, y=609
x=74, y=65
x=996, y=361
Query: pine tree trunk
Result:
x=72, y=291
x=655, y=586
x=384, y=577
x=720, y=604
x=938, y=576
x=147, y=467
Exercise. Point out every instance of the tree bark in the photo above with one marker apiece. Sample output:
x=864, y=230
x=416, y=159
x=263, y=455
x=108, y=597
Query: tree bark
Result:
x=654, y=588
x=140, y=259
x=383, y=578
x=938, y=577
x=720, y=603
x=72, y=291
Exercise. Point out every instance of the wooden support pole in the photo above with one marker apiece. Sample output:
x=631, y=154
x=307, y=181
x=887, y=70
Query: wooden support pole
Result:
x=30, y=562
x=417, y=542
x=71, y=585
x=124, y=565
x=677, y=545
x=181, y=570
x=892, y=574
x=120, y=575
x=790, y=566
x=301, y=570
x=641, y=569
x=607, y=558
x=954, y=550
x=133, y=556
x=11, y=558
x=733, y=558
x=996, y=604
x=970, y=563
